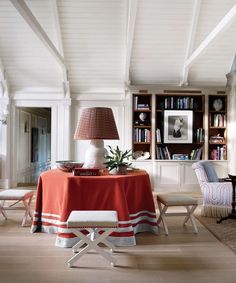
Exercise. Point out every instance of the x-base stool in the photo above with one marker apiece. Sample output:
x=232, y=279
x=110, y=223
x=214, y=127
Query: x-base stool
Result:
x=17, y=195
x=94, y=221
x=166, y=200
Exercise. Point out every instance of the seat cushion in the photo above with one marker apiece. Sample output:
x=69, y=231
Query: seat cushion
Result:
x=176, y=199
x=14, y=194
x=92, y=219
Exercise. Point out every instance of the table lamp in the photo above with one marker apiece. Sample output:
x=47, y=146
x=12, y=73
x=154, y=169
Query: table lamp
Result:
x=96, y=124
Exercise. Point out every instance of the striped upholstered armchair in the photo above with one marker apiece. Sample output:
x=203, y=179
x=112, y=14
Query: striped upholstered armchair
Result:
x=217, y=196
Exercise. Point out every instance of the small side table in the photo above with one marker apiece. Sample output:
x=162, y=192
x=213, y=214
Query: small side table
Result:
x=232, y=215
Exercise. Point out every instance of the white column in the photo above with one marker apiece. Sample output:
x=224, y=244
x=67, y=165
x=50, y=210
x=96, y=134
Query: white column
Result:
x=64, y=130
x=231, y=122
x=4, y=144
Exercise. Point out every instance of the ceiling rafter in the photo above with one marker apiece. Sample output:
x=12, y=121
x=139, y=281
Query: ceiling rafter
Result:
x=28, y=16
x=224, y=24
x=132, y=10
x=66, y=84
x=191, y=38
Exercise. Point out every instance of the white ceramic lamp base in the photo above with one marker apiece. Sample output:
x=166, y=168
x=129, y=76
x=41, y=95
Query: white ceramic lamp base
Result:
x=94, y=156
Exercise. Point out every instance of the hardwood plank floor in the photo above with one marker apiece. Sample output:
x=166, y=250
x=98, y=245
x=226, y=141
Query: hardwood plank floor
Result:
x=180, y=257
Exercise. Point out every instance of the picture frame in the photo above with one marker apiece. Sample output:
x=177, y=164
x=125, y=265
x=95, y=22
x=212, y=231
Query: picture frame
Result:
x=178, y=126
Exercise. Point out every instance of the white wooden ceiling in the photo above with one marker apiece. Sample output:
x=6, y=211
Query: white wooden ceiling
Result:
x=100, y=46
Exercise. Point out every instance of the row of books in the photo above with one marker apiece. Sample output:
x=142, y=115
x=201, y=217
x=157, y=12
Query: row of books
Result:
x=218, y=153
x=196, y=154
x=200, y=134
x=142, y=135
x=162, y=153
x=218, y=120
x=178, y=103
x=140, y=106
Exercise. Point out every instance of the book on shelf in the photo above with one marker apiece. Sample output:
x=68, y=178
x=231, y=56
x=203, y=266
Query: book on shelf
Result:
x=142, y=106
x=135, y=102
x=200, y=135
x=86, y=172
x=196, y=154
x=162, y=153
x=219, y=120
x=178, y=103
x=158, y=135
x=142, y=135
x=218, y=153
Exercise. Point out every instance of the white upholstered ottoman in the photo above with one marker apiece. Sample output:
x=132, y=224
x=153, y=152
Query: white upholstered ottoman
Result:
x=94, y=221
x=166, y=200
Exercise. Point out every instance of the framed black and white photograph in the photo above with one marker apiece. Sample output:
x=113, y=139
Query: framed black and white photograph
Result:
x=178, y=126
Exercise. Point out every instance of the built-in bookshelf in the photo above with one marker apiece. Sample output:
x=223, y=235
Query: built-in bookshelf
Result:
x=180, y=133
x=217, y=122
x=174, y=126
x=142, y=138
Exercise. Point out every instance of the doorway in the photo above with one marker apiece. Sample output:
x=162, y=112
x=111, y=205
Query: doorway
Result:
x=34, y=144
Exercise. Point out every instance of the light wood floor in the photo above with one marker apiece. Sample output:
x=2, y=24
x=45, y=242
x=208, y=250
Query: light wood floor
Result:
x=181, y=257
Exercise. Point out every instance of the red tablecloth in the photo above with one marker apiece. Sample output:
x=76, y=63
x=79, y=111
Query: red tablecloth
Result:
x=58, y=193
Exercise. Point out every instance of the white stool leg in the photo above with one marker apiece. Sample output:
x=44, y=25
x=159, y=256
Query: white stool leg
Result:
x=191, y=217
x=2, y=209
x=27, y=211
x=162, y=217
x=92, y=243
x=106, y=242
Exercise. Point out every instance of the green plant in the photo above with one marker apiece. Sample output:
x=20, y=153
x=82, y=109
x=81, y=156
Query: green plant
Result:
x=117, y=158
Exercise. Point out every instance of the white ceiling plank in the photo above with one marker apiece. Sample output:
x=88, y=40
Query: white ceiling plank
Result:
x=130, y=36
x=224, y=24
x=66, y=84
x=191, y=37
x=27, y=15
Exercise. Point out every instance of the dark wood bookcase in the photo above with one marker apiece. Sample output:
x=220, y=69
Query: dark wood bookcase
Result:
x=142, y=127
x=217, y=122
x=186, y=110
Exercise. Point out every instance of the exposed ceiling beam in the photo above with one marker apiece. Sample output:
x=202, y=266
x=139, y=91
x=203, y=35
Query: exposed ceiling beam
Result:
x=225, y=23
x=27, y=15
x=191, y=38
x=129, y=37
x=66, y=85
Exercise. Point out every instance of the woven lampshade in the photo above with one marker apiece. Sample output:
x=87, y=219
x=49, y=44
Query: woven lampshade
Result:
x=96, y=123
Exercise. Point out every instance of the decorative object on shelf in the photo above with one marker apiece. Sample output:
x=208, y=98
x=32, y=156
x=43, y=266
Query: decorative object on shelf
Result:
x=178, y=126
x=117, y=160
x=141, y=155
x=142, y=120
x=180, y=156
x=217, y=139
x=68, y=165
x=143, y=117
x=96, y=124
x=217, y=104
